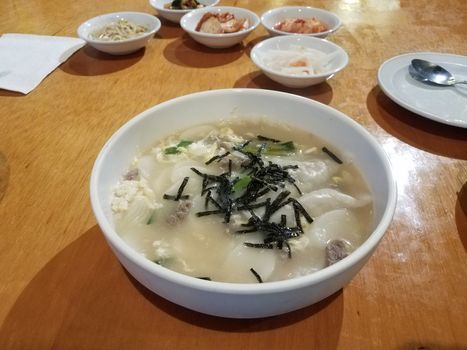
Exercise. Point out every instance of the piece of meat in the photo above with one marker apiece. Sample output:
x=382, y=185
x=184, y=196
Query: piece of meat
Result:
x=181, y=212
x=336, y=250
x=132, y=175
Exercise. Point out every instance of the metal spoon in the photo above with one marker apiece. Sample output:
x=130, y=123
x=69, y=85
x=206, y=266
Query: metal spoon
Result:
x=432, y=73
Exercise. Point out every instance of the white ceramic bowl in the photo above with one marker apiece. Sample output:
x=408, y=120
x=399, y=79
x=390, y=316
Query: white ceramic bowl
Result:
x=338, y=59
x=190, y=21
x=231, y=299
x=120, y=47
x=274, y=16
x=175, y=15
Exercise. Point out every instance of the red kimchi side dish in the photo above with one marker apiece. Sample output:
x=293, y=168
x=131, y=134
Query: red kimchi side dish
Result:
x=301, y=26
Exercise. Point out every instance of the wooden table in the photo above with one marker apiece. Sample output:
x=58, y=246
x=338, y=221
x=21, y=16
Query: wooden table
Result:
x=60, y=285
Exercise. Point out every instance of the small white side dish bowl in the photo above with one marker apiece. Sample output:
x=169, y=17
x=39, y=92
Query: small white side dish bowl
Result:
x=120, y=47
x=217, y=41
x=270, y=18
x=230, y=299
x=175, y=15
x=338, y=59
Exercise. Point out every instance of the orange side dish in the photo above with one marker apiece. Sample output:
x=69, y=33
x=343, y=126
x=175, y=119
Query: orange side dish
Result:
x=301, y=26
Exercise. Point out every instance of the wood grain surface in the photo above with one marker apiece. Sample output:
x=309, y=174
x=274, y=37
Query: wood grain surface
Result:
x=62, y=288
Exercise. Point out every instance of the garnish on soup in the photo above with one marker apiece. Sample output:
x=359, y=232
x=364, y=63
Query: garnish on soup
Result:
x=242, y=207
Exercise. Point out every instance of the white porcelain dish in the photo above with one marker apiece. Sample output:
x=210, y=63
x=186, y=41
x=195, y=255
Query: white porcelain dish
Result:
x=270, y=18
x=338, y=59
x=217, y=41
x=447, y=105
x=120, y=47
x=230, y=299
x=175, y=15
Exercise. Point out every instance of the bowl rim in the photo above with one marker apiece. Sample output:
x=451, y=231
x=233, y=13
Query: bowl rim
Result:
x=111, y=15
x=257, y=62
x=155, y=4
x=190, y=14
x=331, y=30
x=244, y=288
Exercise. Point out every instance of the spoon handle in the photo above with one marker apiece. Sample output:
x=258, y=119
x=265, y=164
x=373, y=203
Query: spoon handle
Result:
x=461, y=82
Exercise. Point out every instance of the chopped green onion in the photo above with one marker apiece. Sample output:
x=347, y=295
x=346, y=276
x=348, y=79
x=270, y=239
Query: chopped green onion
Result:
x=280, y=149
x=175, y=149
x=184, y=143
x=250, y=148
x=151, y=218
x=272, y=149
x=242, y=183
x=171, y=150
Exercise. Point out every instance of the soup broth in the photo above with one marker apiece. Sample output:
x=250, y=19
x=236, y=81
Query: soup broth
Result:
x=243, y=201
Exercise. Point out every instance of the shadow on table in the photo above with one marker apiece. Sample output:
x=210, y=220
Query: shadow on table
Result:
x=249, y=46
x=415, y=130
x=90, y=62
x=4, y=174
x=430, y=346
x=8, y=93
x=169, y=30
x=461, y=215
x=235, y=325
x=321, y=92
x=186, y=52
x=83, y=299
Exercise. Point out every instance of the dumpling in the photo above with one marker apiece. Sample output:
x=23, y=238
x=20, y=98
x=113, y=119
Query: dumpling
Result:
x=310, y=174
x=335, y=224
x=139, y=212
x=242, y=258
x=147, y=166
x=326, y=199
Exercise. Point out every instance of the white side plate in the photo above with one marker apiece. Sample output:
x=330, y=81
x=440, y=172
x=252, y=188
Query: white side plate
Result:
x=444, y=104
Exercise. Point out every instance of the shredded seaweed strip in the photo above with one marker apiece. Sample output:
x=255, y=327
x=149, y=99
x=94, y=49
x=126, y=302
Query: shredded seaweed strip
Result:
x=205, y=278
x=258, y=245
x=302, y=210
x=332, y=155
x=222, y=185
x=226, y=194
x=264, y=138
x=209, y=212
x=283, y=220
x=253, y=206
x=206, y=200
x=276, y=204
x=217, y=157
x=275, y=233
x=173, y=198
x=297, y=216
x=179, y=192
x=258, y=277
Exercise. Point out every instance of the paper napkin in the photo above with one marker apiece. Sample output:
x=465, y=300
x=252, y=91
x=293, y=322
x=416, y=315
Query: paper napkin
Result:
x=26, y=59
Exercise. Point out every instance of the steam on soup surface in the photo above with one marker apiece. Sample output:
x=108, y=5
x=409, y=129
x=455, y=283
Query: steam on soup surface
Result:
x=243, y=201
